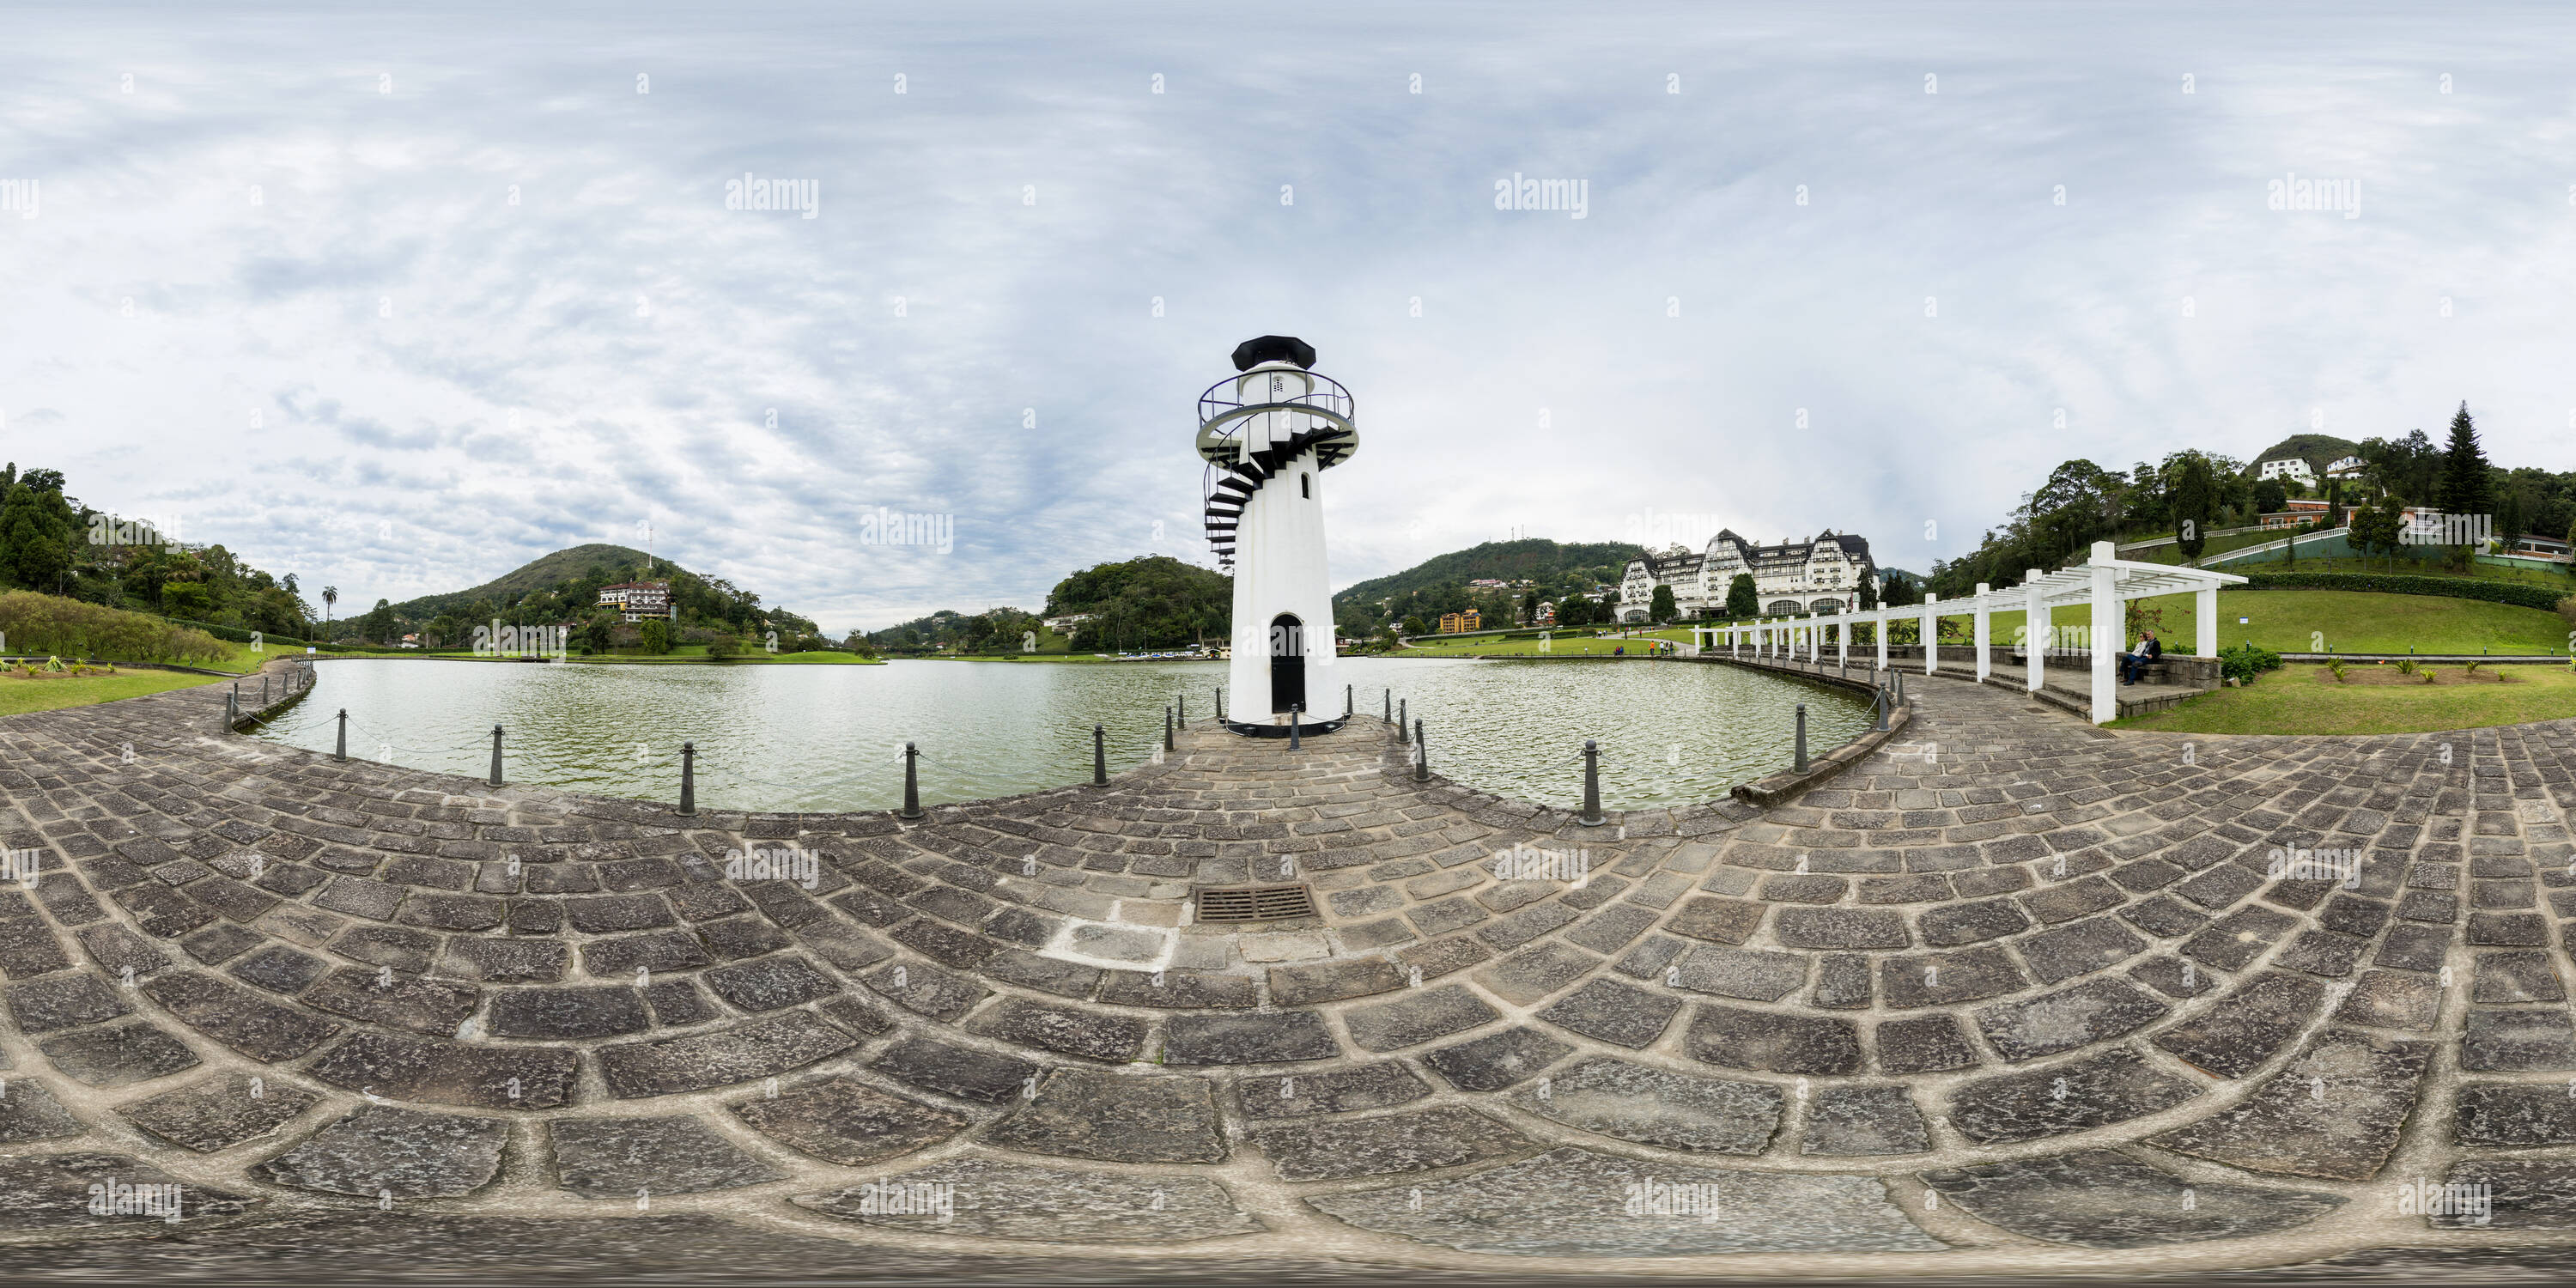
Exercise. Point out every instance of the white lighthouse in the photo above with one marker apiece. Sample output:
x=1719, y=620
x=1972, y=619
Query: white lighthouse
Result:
x=1268, y=434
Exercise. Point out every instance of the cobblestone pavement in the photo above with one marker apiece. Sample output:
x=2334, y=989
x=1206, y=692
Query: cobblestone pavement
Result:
x=2012, y=997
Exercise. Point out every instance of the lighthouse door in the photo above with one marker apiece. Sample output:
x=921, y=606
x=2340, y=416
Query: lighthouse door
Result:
x=1287, y=663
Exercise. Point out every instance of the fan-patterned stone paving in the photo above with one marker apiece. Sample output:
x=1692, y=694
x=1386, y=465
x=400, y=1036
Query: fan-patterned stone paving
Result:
x=2010, y=985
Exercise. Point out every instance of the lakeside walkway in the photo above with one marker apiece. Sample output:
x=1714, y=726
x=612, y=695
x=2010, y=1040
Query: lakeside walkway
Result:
x=2012, y=996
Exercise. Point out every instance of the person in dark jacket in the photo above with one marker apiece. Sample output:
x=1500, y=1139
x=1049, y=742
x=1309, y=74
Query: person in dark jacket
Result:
x=2133, y=666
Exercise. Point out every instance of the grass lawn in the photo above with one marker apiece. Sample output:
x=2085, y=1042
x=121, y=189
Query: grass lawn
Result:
x=2341, y=621
x=1576, y=643
x=2303, y=698
x=20, y=696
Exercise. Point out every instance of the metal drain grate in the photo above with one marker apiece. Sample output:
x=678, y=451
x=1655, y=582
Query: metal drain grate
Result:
x=1256, y=903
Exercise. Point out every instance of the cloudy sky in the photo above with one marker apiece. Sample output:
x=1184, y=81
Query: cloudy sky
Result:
x=396, y=300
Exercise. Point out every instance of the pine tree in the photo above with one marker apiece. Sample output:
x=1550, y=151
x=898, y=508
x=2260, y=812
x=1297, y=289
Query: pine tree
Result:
x=1742, y=600
x=2193, y=494
x=2467, y=484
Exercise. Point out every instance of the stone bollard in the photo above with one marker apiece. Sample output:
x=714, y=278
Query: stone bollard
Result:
x=1801, y=765
x=1167, y=729
x=1220, y=704
x=232, y=708
x=1389, y=717
x=342, y=755
x=496, y=755
x=1591, y=816
x=911, y=785
x=1295, y=709
x=1099, y=756
x=1421, y=755
x=263, y=690
x=1400, y=725
x=688, y=780
x=1181, y=703
x=1347, y=707
x=1879, y=703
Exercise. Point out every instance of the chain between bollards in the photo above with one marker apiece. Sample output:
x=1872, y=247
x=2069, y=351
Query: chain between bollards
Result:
x=688, y=779
x=1099, y=756
x=911, y=784
x=1802, y=738
x=496, y=755
x=1591, y=816
x=1421, y=756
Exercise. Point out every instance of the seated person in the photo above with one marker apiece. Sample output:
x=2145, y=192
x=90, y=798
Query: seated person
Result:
x=2133, y=666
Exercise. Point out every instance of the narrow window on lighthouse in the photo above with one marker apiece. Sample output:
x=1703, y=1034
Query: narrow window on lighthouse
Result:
x=1306, y=486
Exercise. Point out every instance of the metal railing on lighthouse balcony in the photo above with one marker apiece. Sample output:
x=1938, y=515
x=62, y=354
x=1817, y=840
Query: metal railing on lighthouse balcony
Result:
x=1233, y=474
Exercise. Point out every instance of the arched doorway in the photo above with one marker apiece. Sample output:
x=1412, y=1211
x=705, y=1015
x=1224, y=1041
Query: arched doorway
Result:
x=1287, y=663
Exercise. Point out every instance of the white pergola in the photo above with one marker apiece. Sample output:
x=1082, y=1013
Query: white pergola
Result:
x=2105, y=584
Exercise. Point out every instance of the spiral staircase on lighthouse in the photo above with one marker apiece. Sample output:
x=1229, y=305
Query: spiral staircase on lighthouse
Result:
x=1247, y=443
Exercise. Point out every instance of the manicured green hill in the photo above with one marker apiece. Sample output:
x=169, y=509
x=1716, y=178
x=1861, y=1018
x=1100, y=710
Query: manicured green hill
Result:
x=616, y=563
x=2318, y=450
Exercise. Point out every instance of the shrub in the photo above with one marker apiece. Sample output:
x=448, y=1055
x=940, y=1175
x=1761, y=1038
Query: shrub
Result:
x=720, y=646
x=2406, y=666
x=2245, y=661
x=2520, y=593
x=37, y=623
x=2338, y=668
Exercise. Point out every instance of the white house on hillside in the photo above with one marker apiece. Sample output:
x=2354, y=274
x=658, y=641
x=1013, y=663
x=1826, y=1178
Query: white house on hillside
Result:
x=2291, y=468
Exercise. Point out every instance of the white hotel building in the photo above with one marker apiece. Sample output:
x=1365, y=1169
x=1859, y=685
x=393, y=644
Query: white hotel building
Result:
x=1822, y=575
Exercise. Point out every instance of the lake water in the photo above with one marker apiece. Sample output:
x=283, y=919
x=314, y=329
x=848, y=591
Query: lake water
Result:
x=831, y=737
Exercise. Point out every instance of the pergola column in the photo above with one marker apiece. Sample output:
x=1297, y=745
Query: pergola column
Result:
x=2036, y=627
x=2106, y=627
x=1985, y=666
x=2204, y=606
x=1878, y=631
x=1931, y=633
x=1842, y=637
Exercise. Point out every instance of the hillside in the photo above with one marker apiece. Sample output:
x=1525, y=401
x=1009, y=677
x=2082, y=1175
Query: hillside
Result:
x=2318, y=450
x=1536, y=559
x=600, y=561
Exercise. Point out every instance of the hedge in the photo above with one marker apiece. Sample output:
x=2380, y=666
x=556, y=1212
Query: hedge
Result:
x=51, y=624
x=2524, y=594
x=241, y=635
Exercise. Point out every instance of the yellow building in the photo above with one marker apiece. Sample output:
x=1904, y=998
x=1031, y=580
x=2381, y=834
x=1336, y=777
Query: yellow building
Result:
x=1452, y=623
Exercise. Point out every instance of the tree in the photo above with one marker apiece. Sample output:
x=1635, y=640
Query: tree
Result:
x=2270, y=497
x=1574, y=610
x=2468, y=484
x=1529, y=607
x=1868, y=594
x=594, y=633
x=330, y=596
x=188, y=599
x=1743, y=600
x=36, y=531
x=1662, y=608
x=657, y=635
x=723, y=646
x=2191, y=496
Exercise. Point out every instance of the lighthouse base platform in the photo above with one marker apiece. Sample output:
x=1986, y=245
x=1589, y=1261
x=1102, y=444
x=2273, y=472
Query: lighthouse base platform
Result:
x=1305, y=728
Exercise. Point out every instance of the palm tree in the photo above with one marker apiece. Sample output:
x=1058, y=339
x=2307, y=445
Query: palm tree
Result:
x=330, y=596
